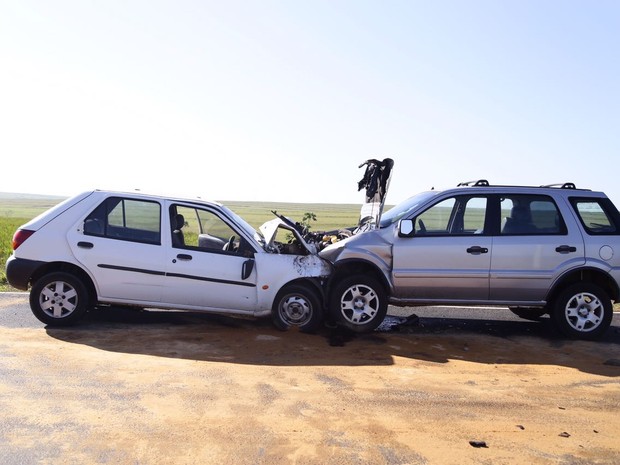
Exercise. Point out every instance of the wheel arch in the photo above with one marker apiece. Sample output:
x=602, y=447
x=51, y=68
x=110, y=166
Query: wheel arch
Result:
x=67, y=268
x=587, y=275
x=313, y=283
x=353, y=266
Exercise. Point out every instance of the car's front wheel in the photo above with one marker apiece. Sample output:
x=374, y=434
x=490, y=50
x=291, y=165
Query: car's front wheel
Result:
x=582, y=311
x=59, y=299
x=297, y=306
x=358, y=303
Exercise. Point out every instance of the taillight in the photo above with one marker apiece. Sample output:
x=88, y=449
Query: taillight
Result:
x=20, y=236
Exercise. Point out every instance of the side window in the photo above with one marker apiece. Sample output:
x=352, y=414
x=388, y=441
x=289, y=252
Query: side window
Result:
x=463, y=215
x=595, y=215
x=530, y=215
x=125, y=219
x=203, y=230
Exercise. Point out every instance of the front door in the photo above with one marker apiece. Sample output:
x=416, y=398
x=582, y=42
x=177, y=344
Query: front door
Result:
x=448, y=257
x=205, y=262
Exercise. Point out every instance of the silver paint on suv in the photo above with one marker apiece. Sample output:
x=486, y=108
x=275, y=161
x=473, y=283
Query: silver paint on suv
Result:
x=537, y=250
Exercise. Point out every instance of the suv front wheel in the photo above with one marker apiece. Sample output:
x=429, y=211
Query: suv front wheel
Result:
x=358, y=303
x=59, y=299
x=582, y=311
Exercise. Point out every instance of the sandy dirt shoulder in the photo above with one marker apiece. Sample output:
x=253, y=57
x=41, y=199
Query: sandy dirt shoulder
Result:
x=190, y=389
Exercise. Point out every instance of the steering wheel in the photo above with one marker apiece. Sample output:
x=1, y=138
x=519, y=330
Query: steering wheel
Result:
x=230, y=245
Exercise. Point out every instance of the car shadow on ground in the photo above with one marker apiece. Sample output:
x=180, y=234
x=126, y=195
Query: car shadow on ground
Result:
x=208, y=337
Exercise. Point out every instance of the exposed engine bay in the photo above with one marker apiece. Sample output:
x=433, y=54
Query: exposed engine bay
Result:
x=299, y=240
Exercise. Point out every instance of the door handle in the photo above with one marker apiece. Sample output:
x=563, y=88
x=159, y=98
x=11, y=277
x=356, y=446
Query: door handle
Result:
x=246, y=269
x=565, y=249
x=85, y=245
x=184, y=256
x=476, y=249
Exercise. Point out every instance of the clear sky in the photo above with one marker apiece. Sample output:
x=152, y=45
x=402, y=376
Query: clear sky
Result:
x=282, y=100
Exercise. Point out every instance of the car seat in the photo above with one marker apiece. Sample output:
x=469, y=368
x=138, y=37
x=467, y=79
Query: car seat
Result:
x=177, y=233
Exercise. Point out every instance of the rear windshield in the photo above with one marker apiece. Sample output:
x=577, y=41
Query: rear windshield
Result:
x=598, y=216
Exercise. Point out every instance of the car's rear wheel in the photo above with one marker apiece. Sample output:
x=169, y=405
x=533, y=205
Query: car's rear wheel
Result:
x=59, y=299
x=358, y=303
x=582, y=311
x=297, y=306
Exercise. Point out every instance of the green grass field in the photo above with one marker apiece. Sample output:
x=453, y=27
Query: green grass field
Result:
x=17, y=210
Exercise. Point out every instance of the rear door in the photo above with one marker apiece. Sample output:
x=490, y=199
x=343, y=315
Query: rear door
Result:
x=448, y=257
x=535, y=244
x=119, y=243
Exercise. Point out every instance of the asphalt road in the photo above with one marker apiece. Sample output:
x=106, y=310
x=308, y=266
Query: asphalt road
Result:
x=448, y=385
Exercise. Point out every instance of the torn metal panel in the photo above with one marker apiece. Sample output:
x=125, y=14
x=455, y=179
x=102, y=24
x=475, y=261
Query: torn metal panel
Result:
x=302, y=241
x=376, y=182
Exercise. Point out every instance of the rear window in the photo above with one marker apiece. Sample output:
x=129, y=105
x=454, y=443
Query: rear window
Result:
x=125, y=219
x=598, y=216
x=530, y=215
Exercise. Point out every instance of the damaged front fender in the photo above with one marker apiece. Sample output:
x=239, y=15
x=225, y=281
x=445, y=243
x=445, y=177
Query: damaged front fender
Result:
x=275, y=271
x=371, y=247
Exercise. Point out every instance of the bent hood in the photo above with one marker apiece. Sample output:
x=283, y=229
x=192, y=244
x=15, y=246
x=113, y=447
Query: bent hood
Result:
x=269, y=231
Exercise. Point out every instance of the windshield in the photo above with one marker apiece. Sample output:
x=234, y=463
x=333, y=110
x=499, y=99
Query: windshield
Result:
x=249, y=230
x=402, y=209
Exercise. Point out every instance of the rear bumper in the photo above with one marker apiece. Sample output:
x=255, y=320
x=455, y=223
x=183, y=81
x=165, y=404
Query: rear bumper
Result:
x=19, y=271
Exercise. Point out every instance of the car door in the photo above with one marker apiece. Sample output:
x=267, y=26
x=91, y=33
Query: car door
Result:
x=119, y=243
x=447, y=258
x=209, y=262
x=534, y=245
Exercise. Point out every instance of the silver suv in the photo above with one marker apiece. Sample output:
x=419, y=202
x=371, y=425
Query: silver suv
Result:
x=536, y=250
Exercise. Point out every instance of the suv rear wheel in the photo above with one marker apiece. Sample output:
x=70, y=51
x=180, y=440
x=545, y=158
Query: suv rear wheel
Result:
x=582, y=311
x=59, y=299
x=358, y=303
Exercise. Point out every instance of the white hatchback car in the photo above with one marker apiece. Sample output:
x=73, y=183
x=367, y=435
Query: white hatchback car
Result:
x=130, y=248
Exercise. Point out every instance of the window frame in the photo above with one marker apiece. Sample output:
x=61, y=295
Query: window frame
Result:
x=101, y=214
x=562, y=229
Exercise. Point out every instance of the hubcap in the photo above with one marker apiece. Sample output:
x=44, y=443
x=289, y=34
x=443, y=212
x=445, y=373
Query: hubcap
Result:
x=295, y=310
x=58, y=299
x=584, y=312
x=359, y=304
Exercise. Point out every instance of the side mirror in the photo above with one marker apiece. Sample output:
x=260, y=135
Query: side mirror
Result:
x=406, y=228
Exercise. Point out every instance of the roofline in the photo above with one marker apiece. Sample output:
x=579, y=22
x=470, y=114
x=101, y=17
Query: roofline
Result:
x=485, y=183
x=159, y=195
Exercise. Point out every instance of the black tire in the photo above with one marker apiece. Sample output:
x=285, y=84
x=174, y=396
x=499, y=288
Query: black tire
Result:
x=298, y=306
x=582, y=311
x=529, y=313
x=59, y=299
x=358, y=303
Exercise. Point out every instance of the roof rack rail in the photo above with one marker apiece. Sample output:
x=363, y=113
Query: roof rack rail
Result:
x=566, y=185
x=474, y=183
